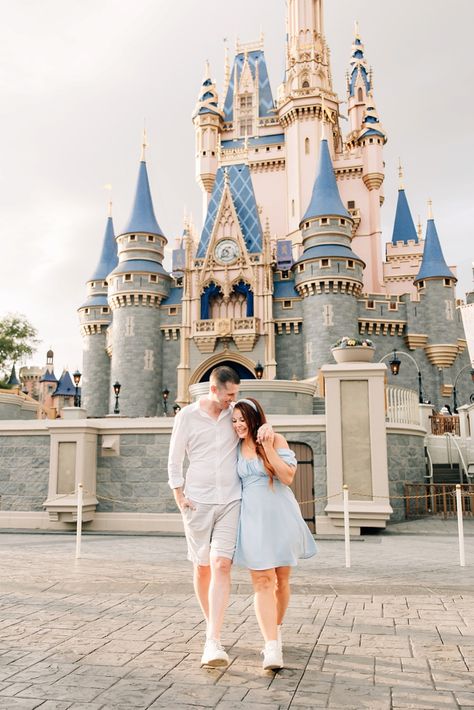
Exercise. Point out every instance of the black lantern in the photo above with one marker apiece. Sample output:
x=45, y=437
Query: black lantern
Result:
x=259, y=370
x=165, y=393
x=76, y=376
x=117, y=386
x=176, y=408
x=394, y=364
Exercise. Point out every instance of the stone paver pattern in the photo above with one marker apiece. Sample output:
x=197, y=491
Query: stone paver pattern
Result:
x=120, y=628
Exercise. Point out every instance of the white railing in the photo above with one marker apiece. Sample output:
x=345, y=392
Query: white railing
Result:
x=402, y=405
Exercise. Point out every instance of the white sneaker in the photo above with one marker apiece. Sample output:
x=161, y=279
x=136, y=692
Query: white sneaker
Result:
x=272, y=656
x=214, y=655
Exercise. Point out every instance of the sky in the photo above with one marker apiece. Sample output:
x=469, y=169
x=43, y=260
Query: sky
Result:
x=79, y=79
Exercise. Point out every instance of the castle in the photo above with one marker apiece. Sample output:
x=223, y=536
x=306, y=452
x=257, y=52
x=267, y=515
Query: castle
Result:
x=289, y=259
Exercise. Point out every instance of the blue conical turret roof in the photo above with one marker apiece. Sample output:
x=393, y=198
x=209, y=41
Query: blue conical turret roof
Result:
x=108, y=258
x=404, y=227
x=13, y=379
x=65, y=386
x=325, y=199
x=143, y=217
x=433, y=264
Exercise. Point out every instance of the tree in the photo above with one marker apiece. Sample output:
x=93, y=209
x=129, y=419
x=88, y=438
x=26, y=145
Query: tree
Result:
x=17, y=339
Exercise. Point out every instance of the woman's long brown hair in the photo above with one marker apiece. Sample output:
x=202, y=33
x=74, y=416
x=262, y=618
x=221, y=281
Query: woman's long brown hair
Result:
x=254, y=420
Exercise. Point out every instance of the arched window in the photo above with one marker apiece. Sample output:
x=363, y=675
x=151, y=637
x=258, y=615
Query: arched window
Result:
x=306, y=146
x=305, y=84
x=360, y=95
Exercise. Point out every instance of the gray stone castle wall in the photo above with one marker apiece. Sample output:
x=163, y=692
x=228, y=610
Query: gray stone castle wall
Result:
x=96, y=384
x=170, y=359
x=24, y=472
x=406, y=464
x=289, y=350
x=137, y=360
x=326, y=317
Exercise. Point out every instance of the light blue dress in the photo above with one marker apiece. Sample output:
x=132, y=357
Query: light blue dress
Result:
x=272, y=531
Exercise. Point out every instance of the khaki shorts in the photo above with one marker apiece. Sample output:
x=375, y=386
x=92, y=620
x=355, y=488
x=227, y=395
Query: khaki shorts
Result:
x=211, y=529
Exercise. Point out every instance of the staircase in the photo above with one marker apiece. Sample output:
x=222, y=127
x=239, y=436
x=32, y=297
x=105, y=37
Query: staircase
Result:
x=319, y=405
x=444, y=473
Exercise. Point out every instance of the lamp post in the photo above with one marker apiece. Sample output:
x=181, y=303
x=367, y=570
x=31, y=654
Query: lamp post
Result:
x=116, y=387
x=176, y=408
x=259, y=370
x=76, y=376
x=166, y=394
x=395, y=363
x=463, y=369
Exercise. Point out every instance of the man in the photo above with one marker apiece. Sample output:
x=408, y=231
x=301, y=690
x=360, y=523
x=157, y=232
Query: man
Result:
x=210, y=503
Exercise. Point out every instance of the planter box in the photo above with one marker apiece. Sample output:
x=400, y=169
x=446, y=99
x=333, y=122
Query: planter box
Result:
x=354, y=353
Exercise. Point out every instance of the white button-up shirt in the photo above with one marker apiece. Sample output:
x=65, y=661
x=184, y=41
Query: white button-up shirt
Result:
x=211, y=447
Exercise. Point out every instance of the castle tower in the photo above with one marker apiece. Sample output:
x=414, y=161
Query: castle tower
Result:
x=328, y=275
x=436, y=288
x=358, y=84
x=207, y=119
x=47, y=385
x=363, y=158
x=95, y=318
x=136, y=288
x=305, y=99
x=405, y=251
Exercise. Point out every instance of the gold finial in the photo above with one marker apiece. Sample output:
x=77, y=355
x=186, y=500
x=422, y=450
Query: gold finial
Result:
x=430, y=209
x=400, y=175
x=207, y=70
x=226, y=177
x=144, y=145
x=356, y=29
x=108, y=187
x=110, y=209
x=323, y=117
x=419, y=228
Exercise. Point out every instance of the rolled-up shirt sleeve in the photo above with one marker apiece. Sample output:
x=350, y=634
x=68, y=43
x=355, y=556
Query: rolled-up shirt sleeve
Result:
x=177, y=452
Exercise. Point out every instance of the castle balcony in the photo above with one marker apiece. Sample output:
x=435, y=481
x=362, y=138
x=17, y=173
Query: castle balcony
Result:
x=244, y=332
x=402, y=406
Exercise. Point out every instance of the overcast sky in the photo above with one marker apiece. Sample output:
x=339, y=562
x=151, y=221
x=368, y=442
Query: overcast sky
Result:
x=78, y=79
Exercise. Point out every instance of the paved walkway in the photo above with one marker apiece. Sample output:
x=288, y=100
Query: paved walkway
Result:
x=120, y=629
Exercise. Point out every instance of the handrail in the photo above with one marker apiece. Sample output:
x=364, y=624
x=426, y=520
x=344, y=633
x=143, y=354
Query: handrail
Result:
x=430, y=466
x=451, y=437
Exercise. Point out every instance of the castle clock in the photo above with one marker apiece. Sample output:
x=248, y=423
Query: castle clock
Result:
x=226, y=251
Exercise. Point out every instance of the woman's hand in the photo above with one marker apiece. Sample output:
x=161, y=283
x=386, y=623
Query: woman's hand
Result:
x=264, y=433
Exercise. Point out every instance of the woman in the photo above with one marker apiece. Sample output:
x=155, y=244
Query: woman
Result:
x=272, y=533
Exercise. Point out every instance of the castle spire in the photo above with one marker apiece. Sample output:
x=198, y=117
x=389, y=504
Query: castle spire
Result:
x=142, y=218
x=325, y=199
x=403, y=227
x=108, y=258
x=433, y=264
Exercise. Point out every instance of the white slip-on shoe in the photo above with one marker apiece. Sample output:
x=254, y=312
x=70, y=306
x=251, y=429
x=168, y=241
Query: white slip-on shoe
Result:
x=272, y=656
x=214, y=655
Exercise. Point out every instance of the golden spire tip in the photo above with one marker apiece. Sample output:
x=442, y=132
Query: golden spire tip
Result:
x=430, y=209
x=144, y=145
x=400, y=175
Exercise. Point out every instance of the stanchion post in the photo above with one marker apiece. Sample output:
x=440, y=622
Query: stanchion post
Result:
x=462, y=557
x=347, y=530
x=80, y=497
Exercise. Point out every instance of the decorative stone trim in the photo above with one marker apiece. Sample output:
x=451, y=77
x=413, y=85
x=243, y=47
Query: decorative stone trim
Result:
x=441, y=355
x=446, y=390
x=94, y=328
x=170, y=333
x=122, y=300
x=415, y=340
x=378, y=326
x=373, y=181
x=462, y=345
x=329, y=285
x=285, y=324
x=266, y=166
